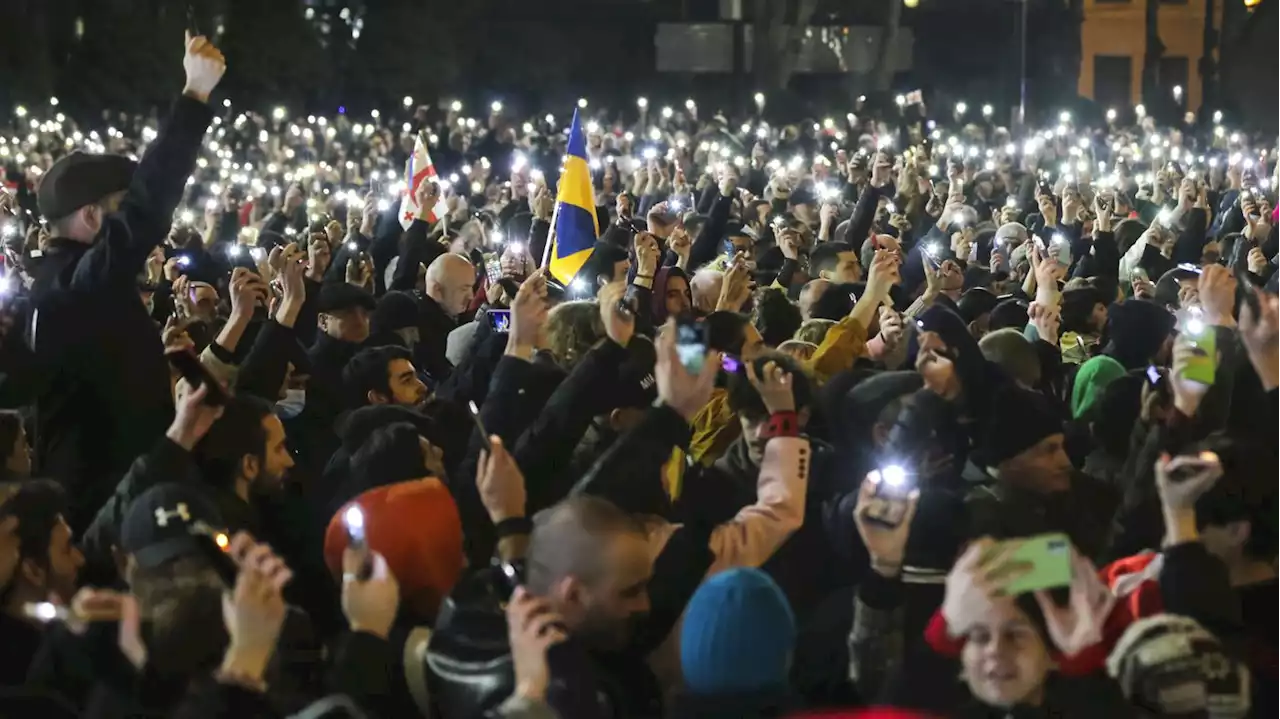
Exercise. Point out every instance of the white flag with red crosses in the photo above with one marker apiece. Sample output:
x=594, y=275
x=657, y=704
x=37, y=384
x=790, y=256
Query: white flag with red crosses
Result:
x=420, y=168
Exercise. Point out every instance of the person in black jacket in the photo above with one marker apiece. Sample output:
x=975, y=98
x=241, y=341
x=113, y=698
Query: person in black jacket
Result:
x=450, y=282
x=102, y=394
x=344, y=327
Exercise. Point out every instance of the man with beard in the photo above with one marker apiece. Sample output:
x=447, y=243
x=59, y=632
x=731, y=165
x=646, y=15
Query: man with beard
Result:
x=244, y=459
x=589, y=565
x=383, y=375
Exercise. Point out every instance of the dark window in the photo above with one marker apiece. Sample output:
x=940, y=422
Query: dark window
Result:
x=1173, y=73
x=1111, y=84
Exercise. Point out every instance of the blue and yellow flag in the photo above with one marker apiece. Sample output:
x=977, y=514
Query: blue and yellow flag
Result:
x=576, y=227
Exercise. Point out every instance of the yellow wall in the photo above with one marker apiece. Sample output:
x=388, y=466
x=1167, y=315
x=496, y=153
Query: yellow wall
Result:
x=1119, y=28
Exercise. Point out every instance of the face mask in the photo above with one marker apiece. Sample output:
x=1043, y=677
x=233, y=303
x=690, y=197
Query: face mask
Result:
x=292, y=404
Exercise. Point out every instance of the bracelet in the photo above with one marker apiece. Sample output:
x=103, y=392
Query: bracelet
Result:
x=781, y=424
x=512, y=526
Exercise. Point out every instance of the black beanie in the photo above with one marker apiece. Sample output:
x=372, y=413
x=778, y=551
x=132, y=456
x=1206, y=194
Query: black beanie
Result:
x=1018, y=419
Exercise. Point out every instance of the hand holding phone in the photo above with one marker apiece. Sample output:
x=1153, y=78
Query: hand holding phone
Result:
x=884, y=522
x=1032, y=563
x=197, y=375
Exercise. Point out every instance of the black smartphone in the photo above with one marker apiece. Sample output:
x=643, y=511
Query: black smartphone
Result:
x=215, y=547
x=1244, y=279
x=196, y=374
x=475, y=417
x=509, y=576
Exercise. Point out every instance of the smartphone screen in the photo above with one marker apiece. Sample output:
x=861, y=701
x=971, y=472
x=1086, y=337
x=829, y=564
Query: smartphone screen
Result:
x=691, y=346
x=500, y=320
x=492, y=267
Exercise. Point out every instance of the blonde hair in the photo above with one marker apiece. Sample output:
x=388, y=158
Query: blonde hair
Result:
x=573, y=328
x=814, y=330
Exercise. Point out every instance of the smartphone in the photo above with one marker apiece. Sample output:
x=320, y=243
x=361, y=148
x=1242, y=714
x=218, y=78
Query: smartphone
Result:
x=1203, y=366
x=499, y=320
x=1244, y=279
x=45, y=612
x=1138, y=274
x=475, y=417
x=1182, y=474
x=492, y=267
x=510, y=576
x=893, y=484
x=691, y=345
x=196, y=374
x=215, y=546
x=353, y=521
x=1040, y=562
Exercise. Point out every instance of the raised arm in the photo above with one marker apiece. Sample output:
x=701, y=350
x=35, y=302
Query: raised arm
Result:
x=146, y=210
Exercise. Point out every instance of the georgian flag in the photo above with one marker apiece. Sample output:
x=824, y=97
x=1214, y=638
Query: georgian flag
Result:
x=420, y=168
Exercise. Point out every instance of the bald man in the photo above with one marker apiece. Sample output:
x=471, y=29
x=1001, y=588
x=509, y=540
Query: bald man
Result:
x=809, y=294
x=705, y=286
x=450, y=284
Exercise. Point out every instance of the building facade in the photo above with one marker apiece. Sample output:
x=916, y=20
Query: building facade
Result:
x=1114, y=39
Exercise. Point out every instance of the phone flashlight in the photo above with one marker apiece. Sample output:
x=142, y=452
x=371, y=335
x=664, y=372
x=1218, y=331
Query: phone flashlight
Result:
x=211, y=204
x=257, y=253
x=234, y=251
x=893, y=476
x=184, y=261
x=351, y=245
x=353, y=520
x=1011, y=202
x=45, y=611
x=383, y=205
x=516, y=247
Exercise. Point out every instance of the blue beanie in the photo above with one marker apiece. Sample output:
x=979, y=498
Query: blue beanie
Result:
x=738, y=635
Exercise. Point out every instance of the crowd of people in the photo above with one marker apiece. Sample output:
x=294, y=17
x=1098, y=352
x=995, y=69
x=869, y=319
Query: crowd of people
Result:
x=887, y=414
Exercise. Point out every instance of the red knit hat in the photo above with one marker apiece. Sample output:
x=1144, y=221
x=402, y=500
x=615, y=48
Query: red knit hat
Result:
x=415, y=526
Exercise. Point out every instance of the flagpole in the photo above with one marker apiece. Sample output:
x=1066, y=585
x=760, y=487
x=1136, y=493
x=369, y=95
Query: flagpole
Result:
x=546, y=248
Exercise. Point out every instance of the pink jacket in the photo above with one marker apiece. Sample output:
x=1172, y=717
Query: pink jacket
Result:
x=751, y=537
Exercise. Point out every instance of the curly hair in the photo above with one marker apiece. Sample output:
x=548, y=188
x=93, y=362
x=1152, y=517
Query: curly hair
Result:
x=814, y=330
x=573, y=328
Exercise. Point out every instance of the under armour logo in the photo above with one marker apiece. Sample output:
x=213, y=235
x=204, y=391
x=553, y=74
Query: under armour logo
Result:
x=163, y=516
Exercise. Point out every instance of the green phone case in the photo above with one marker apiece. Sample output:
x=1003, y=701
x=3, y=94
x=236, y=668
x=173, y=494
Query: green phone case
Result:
x=1042, y=561
x=1203, y=367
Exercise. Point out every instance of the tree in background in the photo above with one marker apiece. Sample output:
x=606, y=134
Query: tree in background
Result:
x=882, y=71
x=777, y=37
x=1151, y=94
